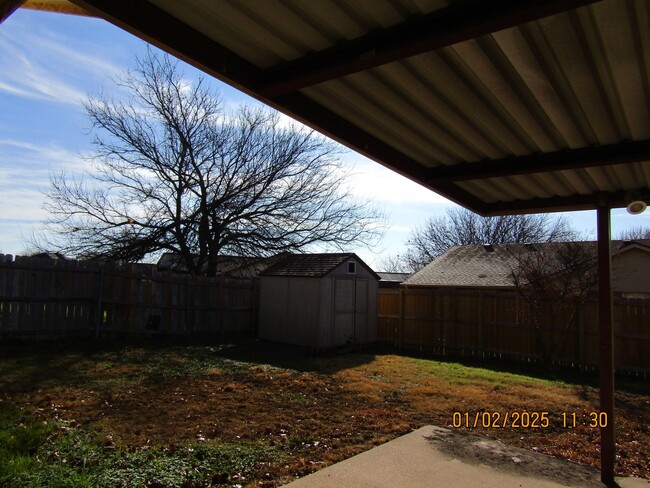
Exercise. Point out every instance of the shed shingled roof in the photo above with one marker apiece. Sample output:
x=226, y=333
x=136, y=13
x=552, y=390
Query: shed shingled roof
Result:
x=311, y=265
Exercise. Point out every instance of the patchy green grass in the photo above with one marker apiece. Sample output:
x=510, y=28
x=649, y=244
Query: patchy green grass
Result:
x=35, y=453
x=254, y=414
x=20, y=438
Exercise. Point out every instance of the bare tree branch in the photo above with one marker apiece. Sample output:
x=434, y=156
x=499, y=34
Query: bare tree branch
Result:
x=634, y=234
x=461, y=227
x=555, y=280
x=175, y=172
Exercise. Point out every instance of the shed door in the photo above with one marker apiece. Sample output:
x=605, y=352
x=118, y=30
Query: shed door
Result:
x=344, y=301
x=350, y=310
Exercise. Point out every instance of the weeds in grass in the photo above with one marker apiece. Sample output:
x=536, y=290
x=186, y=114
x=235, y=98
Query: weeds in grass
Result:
x=189, y=361
x=36, y=453
x=21, y=435
x=194, y=465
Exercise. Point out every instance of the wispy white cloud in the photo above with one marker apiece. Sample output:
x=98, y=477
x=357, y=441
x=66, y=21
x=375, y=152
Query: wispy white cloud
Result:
x=41, y=65
x=22, y=204
x=401, y=229
x=17, y=156
x=24, y=179
x=33, y=79
x=382, y=185
x=76, y=55
x=13, y=90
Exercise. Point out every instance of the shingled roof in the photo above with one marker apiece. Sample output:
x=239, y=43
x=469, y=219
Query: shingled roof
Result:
x=491, y=266
x=468, y=266
x=392, y=277
x=310, y=265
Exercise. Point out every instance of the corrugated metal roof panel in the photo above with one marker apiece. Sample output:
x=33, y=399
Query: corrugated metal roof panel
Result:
x=337, y=97
x=534, y=87
x=273, y=31
x=567, y=81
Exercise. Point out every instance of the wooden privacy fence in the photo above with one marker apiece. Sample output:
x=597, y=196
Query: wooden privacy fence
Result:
x=46, y=297
x=484, y=324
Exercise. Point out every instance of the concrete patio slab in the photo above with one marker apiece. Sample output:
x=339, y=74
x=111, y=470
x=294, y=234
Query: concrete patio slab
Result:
x=436, y=457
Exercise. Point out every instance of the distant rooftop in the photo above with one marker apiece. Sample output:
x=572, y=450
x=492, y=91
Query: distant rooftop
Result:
x=392, y=277
x=490, y=265
x=468, y=266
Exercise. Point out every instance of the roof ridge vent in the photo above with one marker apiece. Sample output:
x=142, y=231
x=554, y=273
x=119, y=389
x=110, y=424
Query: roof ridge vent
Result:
x=530, y=247
x=488, y=247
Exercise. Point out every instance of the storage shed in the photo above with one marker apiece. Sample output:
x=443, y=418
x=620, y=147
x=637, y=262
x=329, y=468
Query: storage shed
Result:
x=319, y=300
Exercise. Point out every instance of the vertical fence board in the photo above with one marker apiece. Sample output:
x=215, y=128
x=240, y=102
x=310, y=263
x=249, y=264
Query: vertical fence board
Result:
x=499, y=324
x=57, y=297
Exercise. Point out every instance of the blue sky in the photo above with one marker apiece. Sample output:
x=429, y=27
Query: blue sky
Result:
x=50, y=63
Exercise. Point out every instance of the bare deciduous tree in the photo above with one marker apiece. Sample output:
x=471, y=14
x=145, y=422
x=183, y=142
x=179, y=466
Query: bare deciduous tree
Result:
x=634, y=233
x=392, y=263
x=462, y=227
x=555, y=280
x=174, y=172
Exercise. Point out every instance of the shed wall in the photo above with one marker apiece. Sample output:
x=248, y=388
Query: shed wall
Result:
x=290, y=310
x=334, y=310
x=325, y=332
x=631, y=272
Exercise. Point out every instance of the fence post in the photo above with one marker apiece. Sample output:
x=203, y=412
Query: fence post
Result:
x=439, y=338
x=400, y=323
x=99, y=300
x=581, y=338
x=222, y=303
x=187, y=307
x=480, y=324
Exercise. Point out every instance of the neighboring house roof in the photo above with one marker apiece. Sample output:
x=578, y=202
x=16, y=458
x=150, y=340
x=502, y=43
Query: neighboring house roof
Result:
x=491, y=266
x=311, y=265
x=392, y=277
x=468, y=266
x=624, y=246
x=236, y=266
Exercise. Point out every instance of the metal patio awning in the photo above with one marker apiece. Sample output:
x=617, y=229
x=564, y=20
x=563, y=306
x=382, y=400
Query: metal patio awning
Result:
x=499, y=105
x=503, y=106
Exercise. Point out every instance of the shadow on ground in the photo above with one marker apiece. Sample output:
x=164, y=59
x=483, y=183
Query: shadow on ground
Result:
x=294, y=357
x=34, y=365
x=38, y=363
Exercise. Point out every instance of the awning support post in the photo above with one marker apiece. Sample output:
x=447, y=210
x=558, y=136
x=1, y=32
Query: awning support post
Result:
x=606, y=337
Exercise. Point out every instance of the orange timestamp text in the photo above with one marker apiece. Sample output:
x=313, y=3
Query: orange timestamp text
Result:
x=526, y=420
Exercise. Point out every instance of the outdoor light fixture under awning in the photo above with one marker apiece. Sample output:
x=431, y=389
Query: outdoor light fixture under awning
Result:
x=635, y=205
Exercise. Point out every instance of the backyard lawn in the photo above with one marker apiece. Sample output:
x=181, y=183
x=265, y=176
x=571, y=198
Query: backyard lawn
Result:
x=255, y=414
